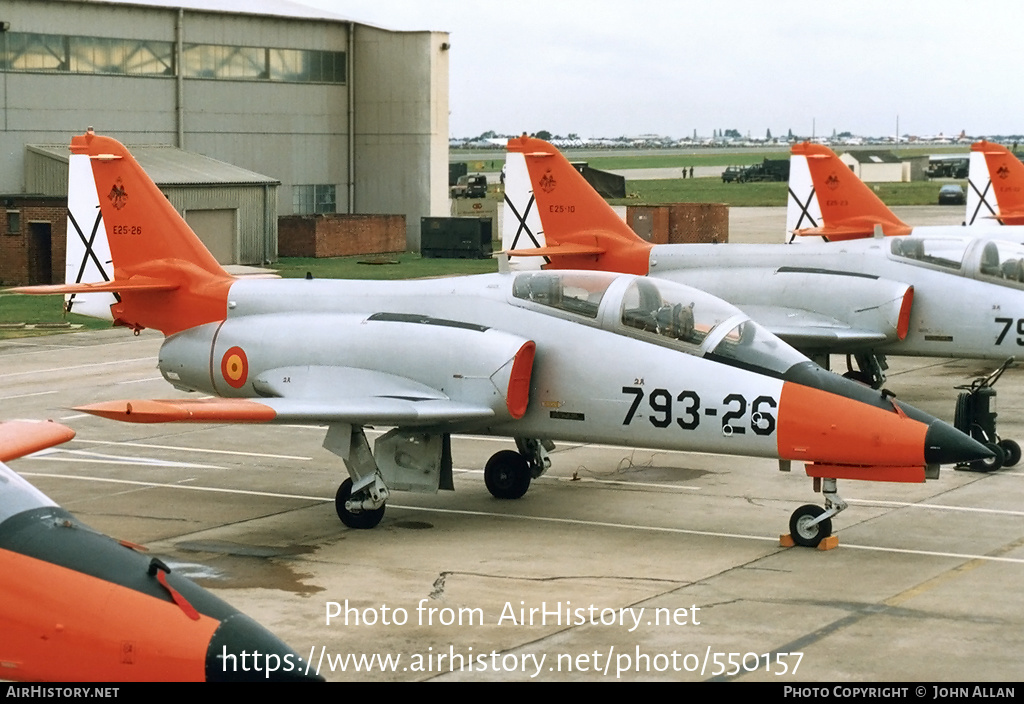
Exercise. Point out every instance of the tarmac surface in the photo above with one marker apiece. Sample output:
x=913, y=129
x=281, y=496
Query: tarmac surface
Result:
x=619, y=564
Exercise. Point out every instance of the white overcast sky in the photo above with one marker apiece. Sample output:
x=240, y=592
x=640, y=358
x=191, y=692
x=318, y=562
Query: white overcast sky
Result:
x=606, y=68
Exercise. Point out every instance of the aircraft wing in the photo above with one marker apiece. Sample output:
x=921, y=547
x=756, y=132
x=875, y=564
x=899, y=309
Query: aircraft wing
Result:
x=21, y=437
x=806, y=329
x=309, y=395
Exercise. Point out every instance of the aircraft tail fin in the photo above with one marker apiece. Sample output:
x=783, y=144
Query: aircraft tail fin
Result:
x=995, y=186
x=554, y=218
x=131, y=258
x=827, y=200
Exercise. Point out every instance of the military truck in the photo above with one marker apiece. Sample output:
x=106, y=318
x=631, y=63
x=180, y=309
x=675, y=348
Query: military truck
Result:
x=768, y=170
x=470, y=186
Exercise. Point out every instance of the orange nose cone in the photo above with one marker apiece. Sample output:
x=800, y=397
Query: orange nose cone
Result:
x=818, y=426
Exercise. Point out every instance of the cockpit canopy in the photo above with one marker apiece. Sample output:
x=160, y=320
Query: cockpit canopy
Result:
x=662, y=312
x=997, y=261
x=17, y=495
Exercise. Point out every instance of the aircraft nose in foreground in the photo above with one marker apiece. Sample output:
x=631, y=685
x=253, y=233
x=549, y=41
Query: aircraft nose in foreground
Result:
x=844, y=430
x=944, y=444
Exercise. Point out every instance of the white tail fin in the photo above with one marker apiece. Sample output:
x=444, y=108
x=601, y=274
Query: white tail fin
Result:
x=802, y=208
x=982, y=206
x=521, y=225
x=88, y=258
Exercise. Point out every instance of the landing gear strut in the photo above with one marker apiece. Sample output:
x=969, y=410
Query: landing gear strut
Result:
x=810, y=524
x=507, y=474
x=870, y=369
x=360, y=499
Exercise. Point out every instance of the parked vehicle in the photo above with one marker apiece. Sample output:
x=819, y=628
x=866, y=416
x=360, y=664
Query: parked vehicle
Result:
x=952, y=194
x=470, y=186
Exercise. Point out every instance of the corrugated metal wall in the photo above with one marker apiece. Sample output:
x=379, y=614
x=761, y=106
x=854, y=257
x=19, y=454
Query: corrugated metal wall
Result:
x=298, y=133
x=257, y=235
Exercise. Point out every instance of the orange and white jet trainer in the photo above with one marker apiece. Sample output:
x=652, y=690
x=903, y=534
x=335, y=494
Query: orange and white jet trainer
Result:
x=537, y=357
x=77, y=606
x=995, y=187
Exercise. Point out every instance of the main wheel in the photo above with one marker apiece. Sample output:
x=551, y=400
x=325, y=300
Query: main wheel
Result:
x=1012, y=451
x=805, y=534
x=507, y=475
x=993, y=463
x=362, y=520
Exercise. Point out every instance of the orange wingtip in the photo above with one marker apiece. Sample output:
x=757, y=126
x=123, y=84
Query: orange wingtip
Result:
x=100, y=287
x=23, y=437
x=216, y=410
x=839, y=233
x=560, y=250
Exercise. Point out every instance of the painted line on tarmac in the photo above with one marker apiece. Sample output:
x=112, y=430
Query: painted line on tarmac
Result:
x=40, y=393
x=60, y=455
x=41, y=348
x=195, y=449
x=908, y=504
x=139, y=381
x=542, y=519
x=77, y=366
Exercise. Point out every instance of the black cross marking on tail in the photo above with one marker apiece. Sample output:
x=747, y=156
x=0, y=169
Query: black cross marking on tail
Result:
x=522, y=224
x=803, y=213
x=982, y=200
x=803, y=209
x=89, y=253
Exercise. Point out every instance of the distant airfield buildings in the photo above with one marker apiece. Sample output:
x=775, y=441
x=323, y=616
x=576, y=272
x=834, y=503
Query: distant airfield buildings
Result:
x=276, y=109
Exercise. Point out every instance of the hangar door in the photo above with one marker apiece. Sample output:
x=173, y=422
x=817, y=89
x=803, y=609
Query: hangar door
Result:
x=218, y=230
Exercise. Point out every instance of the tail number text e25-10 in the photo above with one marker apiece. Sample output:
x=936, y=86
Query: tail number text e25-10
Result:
x=688, y=411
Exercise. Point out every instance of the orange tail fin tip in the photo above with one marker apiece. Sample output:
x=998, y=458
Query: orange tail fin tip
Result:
x=580, y=230
x=162, y=277
x=826, y=199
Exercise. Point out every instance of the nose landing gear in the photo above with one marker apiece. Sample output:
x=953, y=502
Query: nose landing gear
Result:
x=810, y=524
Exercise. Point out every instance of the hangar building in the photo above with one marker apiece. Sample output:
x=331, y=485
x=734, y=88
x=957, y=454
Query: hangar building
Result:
x=346, y=117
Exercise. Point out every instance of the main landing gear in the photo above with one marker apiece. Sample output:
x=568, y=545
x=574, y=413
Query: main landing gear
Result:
x=362, y=512
x=413, y=460
x=507, y=474
x=810, y=524
x=870, y=369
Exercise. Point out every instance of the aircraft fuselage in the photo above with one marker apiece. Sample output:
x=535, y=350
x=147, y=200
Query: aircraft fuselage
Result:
x=959, y=307
x=591, y=382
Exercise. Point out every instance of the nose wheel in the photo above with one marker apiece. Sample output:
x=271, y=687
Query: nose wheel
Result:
x=811, y=524
x=808, y=526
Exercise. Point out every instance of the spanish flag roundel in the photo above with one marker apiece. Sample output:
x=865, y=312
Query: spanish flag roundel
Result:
x=235, y=367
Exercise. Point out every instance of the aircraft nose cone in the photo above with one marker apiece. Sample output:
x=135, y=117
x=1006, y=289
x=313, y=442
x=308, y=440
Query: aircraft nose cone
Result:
x=242, y=650
x=944, y=444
